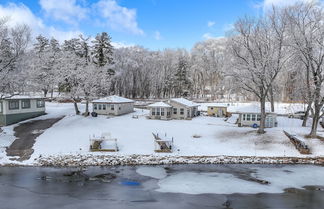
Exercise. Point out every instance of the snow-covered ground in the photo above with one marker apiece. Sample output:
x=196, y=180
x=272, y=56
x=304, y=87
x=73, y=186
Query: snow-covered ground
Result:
x=213, y=136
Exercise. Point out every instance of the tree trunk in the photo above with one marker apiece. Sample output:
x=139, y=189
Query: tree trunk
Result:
x=316, y=118
x=77, y=111
x=263, y=116
x=86, y=113
x=309, y=106
x=45, y=92
x=271, y=99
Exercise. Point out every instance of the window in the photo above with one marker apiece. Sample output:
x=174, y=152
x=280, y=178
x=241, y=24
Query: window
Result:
x=153, y=111
x=211, y=108
x=244, y=117
x=157, y=111
x=104, y=107
x=253, y=117
x=25, y=104
x=188, y=113
x=175, y=111
x=100, y=107
x=248, y=117
x=119, y=108
x=14, y=105
x=258, y=117
x=40, y=103
x=181, y=111
x=0, y=106
x=162, y=111
x=112, y=107
x=168, y=113
x=94, y=106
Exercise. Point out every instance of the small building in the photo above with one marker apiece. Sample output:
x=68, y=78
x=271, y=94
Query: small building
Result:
x=18, y=108
x=183, y=108
x=160, y=110
x=251, y=116
x=217, y=110
x=113, y=105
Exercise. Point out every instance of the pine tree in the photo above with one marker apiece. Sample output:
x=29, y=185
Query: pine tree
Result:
x=102, y=50
x=182, y=82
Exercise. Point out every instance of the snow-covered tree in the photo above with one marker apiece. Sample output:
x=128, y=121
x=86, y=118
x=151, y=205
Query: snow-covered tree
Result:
x=257, y=50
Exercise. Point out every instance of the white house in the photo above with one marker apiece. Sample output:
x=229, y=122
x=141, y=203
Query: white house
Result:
x=251, y=116
x=113, y=105
x=160, y=110
x=176, y=108
x=18, y=108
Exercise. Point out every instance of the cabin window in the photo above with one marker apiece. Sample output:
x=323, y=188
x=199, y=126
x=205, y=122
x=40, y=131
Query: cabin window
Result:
x=258, y=117
x=253, y=117
x=181, y=111
x=14, y=105
x=112, y=107
x=153, y=111
x=40, y=103
x=25, y=104
x=162, y=111
x=104, y=107
x=94, y=106
x=157, y=111
x=175, y=111
x=99, y=106
x=248, y=117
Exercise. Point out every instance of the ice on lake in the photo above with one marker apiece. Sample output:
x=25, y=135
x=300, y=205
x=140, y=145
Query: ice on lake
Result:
x=153, y=172
x=227, y=183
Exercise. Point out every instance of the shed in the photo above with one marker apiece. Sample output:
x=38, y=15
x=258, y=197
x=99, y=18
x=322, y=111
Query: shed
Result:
x=160, y=110
x=218, y=110
x=20, y=107
x=251, y=116
x=113, y=105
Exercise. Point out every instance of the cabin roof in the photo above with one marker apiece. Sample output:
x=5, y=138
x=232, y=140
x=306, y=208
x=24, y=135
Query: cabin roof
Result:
x=185, y=102
x=113, y=99
x=159, y=104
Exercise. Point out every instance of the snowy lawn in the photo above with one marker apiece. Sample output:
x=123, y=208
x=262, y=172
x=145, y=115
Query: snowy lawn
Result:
x=213, y=136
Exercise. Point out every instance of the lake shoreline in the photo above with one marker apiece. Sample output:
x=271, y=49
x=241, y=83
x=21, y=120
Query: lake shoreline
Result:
x=117, y=160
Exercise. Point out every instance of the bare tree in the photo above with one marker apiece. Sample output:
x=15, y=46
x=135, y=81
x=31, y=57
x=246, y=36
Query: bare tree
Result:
x=258, y=55
x=307, y=39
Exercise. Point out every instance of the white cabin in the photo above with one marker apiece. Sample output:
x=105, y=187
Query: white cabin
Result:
x=113, y=105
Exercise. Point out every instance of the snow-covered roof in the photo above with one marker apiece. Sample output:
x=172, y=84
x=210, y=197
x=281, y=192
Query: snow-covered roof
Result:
x=185, y=102
x=217, y=105
x=159, y=104
x=251, y=109
x=23, y=97
x=113, y=99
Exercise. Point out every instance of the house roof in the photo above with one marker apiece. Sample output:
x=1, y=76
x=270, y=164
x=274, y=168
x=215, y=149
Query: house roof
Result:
x=159, y=104
x=251, y=109
x=217, y=105
x=185, y=102
x=113, y=99
x=23, y=97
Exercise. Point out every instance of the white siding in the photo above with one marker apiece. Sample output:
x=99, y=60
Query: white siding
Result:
x=113, y=109
x=33, y=107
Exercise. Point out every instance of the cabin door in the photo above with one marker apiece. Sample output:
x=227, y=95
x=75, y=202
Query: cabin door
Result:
x=220, y=112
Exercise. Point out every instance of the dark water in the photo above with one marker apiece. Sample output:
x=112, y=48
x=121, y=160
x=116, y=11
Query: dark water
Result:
x=122, y=187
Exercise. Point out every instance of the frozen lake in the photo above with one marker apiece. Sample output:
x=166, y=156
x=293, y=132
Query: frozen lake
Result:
x=172, y=186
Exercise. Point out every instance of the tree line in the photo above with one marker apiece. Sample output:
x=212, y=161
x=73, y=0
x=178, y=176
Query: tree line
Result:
x=277, y=56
